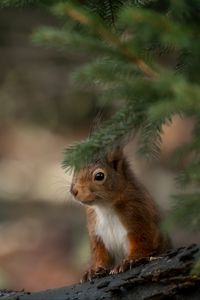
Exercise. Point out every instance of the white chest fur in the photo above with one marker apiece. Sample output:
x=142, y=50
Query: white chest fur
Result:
x=112, y=232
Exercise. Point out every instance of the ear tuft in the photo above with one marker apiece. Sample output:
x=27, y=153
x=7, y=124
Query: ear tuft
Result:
x=115, y=164
x=115, y=158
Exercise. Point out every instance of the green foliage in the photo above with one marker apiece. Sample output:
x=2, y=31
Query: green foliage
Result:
x=127, y=40
x=25, y=3
x=15, y=3
x=186, y=216
x=115, y=129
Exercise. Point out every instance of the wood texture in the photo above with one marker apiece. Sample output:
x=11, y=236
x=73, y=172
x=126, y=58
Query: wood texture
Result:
x=155, y=278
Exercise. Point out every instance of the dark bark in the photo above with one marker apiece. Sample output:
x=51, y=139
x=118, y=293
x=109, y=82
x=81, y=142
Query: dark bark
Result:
x=164, y=277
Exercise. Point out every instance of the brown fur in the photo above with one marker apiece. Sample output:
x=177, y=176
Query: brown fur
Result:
x=131, y=202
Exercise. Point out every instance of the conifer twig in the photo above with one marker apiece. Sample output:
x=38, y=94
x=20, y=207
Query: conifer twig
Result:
x=111, y=38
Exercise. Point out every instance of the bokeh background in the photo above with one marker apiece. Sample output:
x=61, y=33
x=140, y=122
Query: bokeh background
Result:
x=43, y=238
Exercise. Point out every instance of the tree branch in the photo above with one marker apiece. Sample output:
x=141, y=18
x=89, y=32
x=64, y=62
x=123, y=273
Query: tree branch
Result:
x=111, y=38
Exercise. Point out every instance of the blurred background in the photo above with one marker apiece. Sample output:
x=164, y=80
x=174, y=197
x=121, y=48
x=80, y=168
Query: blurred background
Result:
x=43, y=238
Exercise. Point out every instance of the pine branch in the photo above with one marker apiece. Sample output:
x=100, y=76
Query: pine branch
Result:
x=109, y=37
x=113, y=131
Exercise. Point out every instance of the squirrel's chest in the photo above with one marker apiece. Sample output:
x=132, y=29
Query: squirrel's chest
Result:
x=112, y=232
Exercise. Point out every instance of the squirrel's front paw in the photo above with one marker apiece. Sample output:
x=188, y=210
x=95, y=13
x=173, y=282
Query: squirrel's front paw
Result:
x=88, y=275
x=126, y=264
x=94, y=273
x=129, y=263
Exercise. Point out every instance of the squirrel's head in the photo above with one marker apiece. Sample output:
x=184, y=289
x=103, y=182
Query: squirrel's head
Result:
x=102, y=180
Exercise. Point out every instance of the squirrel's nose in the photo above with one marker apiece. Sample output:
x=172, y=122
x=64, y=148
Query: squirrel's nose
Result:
x=73, y=190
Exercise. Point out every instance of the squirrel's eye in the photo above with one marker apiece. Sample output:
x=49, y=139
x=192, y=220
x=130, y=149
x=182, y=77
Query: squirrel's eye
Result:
x=99, y=176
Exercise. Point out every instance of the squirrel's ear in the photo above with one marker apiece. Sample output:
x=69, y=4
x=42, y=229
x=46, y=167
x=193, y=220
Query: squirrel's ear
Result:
x=115, y=158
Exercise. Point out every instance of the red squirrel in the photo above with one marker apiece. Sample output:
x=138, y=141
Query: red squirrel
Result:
x=122, y=218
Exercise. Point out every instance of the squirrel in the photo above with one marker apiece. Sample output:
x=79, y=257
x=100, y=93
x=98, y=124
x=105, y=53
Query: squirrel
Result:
x=122, y=217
